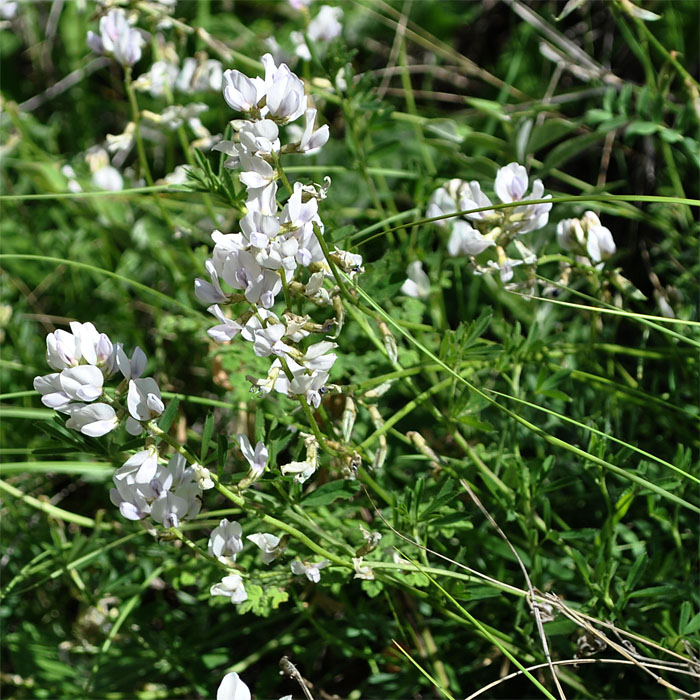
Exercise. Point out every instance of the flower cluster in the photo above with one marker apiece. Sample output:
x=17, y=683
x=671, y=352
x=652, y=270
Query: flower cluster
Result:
x=480, y=230
x=84, y=358
x=278, y=247
x=168, y=493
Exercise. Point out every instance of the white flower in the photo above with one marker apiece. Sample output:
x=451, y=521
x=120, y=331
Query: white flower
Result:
x=226, y=330
x=82, y=383
x=140, y=468
x=131, y=368
x=232, y=688
x=52, y=394
x=259, y=138
x=256, y=459
x=586, y=237
x=325, y=26
x=240, y=92
x=203, y=477
x=132, y=499
x=600, y=244
x=362, y=570
x=511, y=183
x=418, y=284
x=311, y=140
x=108, y=178
x=303, y=470
x=232, y=587
x=170, y=508
x=65, y=349
x=117, y=38
x=269, y=544
x=225, y=541
x=95, y=419
x=571, y=236
x=285, y=99
x=143, y=402
x=210, y=293
x=311, y=571
x=466, y=240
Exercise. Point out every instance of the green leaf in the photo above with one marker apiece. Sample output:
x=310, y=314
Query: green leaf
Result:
x=326, y=494
x=206, y=436
x=167, y=418
x=262, y=601
x=372, y=588
x=693, y=626
x=569, y=149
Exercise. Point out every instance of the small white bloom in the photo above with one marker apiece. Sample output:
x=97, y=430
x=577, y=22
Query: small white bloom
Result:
x=284, y=92
x=240, y=92
x=117, y=38
x=232, y=688
x=203, y=477
x=311, y=571
x=600, y=244
x=232, y=587
x=269, y=544
x=108, y=178
x=143, y=402
x=466, y=240
x=130, y=368
x=511, y=183
x=82, y=383
x=140, y=468
x=362, y=570
x=256, y=459
x=95, y=419
x=52, y=394
x=418, y=283
x=225, y=541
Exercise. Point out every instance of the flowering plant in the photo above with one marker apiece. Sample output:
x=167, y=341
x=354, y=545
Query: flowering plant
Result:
x=362, y=350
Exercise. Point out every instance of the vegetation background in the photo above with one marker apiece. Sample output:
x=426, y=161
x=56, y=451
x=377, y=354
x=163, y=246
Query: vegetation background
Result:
x=577, y=434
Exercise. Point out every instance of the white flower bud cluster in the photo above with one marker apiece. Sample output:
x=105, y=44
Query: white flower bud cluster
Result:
x=480, y=230
x=84, y=358
x=276, y=247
